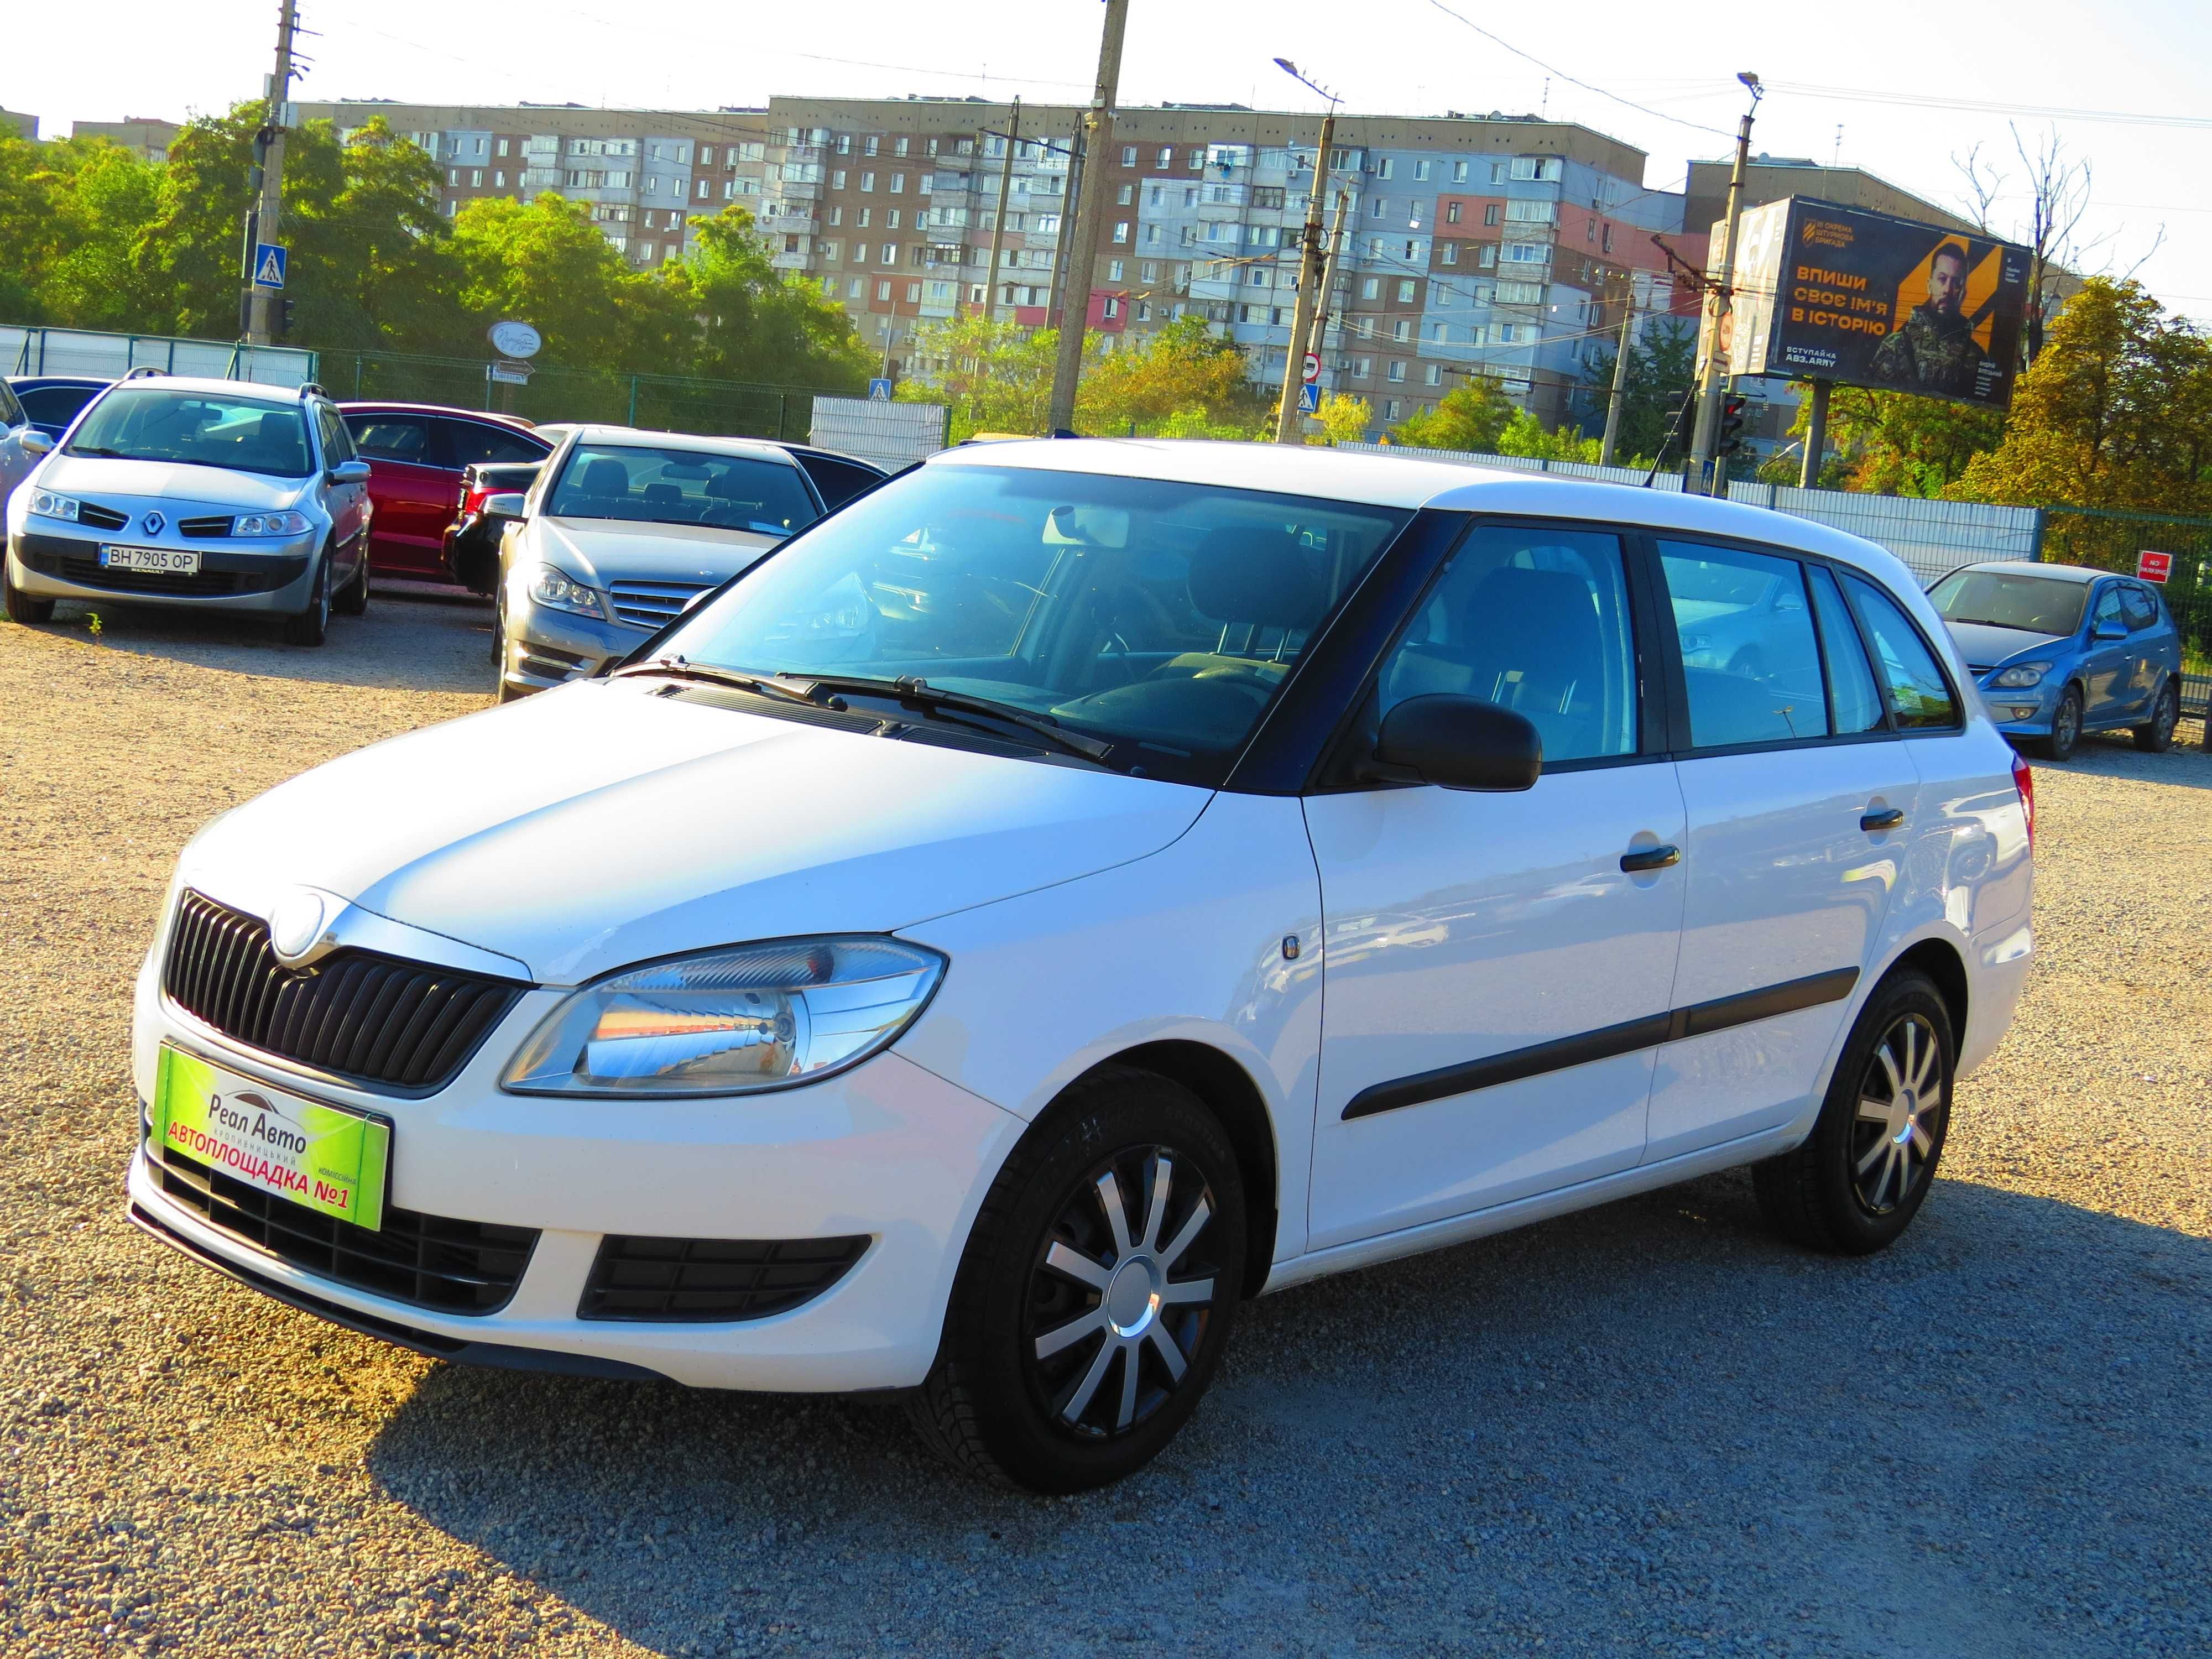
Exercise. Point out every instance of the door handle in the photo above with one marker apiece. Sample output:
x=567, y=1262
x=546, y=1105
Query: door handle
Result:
x=1645, y=858
x=1872, y=821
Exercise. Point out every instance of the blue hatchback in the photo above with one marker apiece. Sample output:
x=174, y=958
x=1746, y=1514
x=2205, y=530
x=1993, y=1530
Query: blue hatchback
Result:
x=2058, y=650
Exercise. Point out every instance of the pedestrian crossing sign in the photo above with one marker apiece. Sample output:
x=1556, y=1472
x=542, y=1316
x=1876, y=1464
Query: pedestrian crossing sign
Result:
x=268, y=264
x=1309, y=398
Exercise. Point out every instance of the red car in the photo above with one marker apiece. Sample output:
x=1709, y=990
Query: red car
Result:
x=416, y=454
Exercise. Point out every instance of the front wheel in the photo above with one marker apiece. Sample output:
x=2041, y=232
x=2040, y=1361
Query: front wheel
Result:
x=1863, y=1172
x=2164, y=715
x=313, y=625
x=2065, y=726
x=20, y=607
x=352, y=600
x=1095, y=1296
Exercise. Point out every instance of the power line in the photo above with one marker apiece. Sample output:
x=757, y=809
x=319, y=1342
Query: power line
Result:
x=2048, y=112
x=1641, y=109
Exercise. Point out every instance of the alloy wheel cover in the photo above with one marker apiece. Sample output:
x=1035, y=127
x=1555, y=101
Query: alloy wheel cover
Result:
x=1902, y=1102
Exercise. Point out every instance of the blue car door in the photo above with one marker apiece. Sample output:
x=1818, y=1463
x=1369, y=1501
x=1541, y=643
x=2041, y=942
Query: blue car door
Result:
x=2105, y=661
x=2148, y=648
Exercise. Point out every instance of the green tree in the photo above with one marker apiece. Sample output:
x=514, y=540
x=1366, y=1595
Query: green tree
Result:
x=99, y=197
x=1524, y=434
x=1661, y=363
x=1183, y=371
x=755, y=323
x=1471, y=416
x=994, y=376
x=1343, y=418
x=1889, y=443
x=546, y=262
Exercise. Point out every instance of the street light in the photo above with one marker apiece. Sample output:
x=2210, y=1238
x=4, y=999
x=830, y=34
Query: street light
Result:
x=1292, y=69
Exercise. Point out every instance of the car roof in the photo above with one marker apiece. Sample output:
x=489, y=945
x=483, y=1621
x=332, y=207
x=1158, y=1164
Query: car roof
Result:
x=2064, y=573
x=33, y=382
x=1410, y=481
x=279, y=394
x=633, y=437
x=370, y=406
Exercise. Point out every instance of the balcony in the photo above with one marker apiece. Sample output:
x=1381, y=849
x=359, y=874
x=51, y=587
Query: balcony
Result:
x=782, y=222
x=799, y=190
x=790, y=261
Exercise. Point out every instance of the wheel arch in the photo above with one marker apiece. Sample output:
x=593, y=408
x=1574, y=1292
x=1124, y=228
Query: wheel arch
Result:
x=1941, y=960
x=1229, y=1092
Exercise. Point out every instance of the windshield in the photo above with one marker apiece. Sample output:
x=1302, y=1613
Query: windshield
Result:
x=1162, y=616
x=681, y=486
x=196, y=429
x=2034, y=604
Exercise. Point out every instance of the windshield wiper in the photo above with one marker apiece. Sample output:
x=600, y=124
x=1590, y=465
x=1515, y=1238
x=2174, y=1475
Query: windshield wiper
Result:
x=1991, y=622
x=908, y=689
x=768, y=686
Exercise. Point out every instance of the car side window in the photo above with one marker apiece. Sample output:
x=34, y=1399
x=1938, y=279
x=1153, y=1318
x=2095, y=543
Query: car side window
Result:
x=2108, y=607
x=1536, y=621
x=838, y=480
x=11, y=411
x=1854, y=700
x=475, y=443
x=57, y=406
x=2139, y=608
x=337, y=442
x=1919, y=696
x=1749, y=664
x=393, y=438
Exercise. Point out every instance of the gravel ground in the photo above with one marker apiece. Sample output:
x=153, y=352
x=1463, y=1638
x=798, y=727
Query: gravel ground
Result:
x=1648, y=1428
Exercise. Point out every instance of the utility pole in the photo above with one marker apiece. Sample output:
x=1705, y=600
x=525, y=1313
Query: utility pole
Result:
x=1289, y=419
x=1326, y=300
x=1719, y=298
x=1816, y=437
x=263, y=222
x=998, y=224
x=1619, y=377
x=1099, y=133
x=1056, y=289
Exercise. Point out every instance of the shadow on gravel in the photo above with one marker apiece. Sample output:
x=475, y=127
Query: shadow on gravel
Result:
x=417, y=639
x=1650, y=1426
x=2186, y=766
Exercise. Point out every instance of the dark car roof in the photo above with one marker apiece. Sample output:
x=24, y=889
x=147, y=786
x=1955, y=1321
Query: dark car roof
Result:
x=513, y=423
x=35, y=382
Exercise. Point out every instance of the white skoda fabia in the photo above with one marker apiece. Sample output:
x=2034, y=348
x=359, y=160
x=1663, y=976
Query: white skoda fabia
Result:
x=1076, y=887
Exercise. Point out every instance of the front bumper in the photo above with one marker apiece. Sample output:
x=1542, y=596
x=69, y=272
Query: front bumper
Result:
x=546, y=647
x=272, y=577
x=888, y=1151
x=2024, y=712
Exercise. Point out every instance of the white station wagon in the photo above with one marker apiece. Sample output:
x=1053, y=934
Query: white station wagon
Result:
x=1077, y=887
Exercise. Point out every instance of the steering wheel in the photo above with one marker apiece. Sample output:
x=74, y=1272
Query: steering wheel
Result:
x=1128, y=664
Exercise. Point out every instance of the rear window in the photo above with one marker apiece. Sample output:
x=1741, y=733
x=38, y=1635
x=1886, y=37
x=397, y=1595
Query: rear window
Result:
x=393, y=438
x=1992, y=598
x=1919, y=696
x=472, y=443
x=196, y=429
x=1749, y=662
x=57, y=406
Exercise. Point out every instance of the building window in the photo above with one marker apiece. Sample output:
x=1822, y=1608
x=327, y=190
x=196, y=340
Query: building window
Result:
x=891, y=220
x=1167, y=155
x=1489, y=255
x=1256, y=276
x=898, y=184
x=889, y=254
x=1126, y=196
x=453, y=176
x=1397, y=370
x=1121, y=230
x=836, y=215
x=882, y=291
x=1195, y=160
x=1370, y=287
x=1436, y=332
x=1421, y=169
x=1128, y=156
x=914, y=292
x=1490, y=213
x=1112, y=307
x=1450, y=254
x=1390, y=410
x=837, y=178
x=1382, y=168
x=1406, y=290
x=1459, y=173
x=498, y=179
x=1589, y=230
x=898, y=146
x=866, y=215
x=867, y=181
x=1506, y=333
x=873, y=145
x=1114, y=268
x=1451, y=213
x=1379, y=207
x=1362, y=368
x=1402, y=329
x=832, y=252
x=1433, y=374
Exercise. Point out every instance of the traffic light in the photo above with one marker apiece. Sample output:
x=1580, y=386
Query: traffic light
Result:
x=1731, y=437
x=284, y=318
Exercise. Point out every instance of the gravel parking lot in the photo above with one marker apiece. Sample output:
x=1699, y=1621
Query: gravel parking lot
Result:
x=1648, y=1428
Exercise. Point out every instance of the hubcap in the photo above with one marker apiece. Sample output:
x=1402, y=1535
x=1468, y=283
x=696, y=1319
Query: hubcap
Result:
x=1900, y=1115
x=1122, y=1292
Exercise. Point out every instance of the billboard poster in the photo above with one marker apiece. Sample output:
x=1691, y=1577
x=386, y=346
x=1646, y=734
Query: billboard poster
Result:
x=1833, y=293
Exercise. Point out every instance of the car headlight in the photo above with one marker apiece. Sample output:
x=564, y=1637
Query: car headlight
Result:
x=2022, y=674
x=563, y=591
x=271, y=524
x=734, y=1021
x=47, y=505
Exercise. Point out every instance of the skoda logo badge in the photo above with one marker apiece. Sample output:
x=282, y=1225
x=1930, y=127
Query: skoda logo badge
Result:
x=295, y=926
x=155, y=523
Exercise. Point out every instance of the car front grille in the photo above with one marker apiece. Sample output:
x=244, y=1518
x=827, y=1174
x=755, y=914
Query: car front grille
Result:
x=372, y=1018
x=266, y=576
x=650, y=604
x=430, y=1261
x=679, y=1280
x=101, y=518
x=200, y=529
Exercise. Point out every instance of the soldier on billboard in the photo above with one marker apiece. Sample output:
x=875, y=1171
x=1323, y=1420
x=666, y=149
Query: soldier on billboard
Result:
x=1936, y=350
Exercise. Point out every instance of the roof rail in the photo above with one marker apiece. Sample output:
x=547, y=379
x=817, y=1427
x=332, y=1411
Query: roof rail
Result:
x=145, y=369
x=309, y=389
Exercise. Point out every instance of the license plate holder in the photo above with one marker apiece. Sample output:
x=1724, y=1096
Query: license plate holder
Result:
x=333, y=1160
x=157, y=560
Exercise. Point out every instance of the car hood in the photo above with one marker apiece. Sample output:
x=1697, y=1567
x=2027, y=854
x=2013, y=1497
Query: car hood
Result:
x=178, y=489
x=600, y=825
x=597, y=552
x=1984, y=646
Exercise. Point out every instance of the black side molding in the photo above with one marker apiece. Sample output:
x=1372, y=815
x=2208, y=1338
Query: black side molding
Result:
x=1700, y=1020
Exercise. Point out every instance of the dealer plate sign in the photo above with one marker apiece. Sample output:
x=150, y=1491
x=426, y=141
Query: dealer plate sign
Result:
x=322, y=1157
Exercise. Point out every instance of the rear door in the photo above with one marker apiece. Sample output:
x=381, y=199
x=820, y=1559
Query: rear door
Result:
x=1799, y=799
x=2151, y=653
x=413, y=489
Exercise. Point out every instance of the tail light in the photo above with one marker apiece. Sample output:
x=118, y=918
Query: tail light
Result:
x=2023, y=779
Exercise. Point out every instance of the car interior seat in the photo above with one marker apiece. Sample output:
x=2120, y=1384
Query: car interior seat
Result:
x=1526, y=640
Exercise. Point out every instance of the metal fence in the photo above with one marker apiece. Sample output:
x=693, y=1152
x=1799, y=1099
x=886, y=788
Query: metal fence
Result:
x=660, y=403
x=111, y=356
x=891, y=435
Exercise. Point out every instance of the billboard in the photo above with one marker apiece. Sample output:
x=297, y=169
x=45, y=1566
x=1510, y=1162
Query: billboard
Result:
x=1831, y=293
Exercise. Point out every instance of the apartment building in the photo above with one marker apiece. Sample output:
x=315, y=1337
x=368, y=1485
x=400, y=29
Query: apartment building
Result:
x=146, y=137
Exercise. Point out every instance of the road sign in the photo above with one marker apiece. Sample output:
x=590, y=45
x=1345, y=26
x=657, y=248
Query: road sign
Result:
x=1309, y=399
x=513, y=339
x=2154, y=566
x=508, y=374
x=879, y=390
x=268, y=264
x=1313, y=367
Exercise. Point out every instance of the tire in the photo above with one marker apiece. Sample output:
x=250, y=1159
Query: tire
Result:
x=313, y=625
x=1046, y=1259
x=352, y=600
x=22, y=607
x=501, y=691
x=2164, y=715
x=2065, y=727
x=1863, y=1172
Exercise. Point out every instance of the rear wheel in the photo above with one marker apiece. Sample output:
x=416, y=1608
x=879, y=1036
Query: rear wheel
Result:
x=313, y=625
x=2065, y=726
x=22, y=607
x=1862, y=1174
x=1095, y=1296
x=2157, y=737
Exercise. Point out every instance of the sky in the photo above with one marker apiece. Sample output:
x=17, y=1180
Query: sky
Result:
x=1901, y=91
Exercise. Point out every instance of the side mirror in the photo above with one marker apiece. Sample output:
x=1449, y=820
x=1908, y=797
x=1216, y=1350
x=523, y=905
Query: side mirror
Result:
x=507, y=505
x=349, y=472
x=35, y=442
x=1461, y=743
x=2109, y=630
